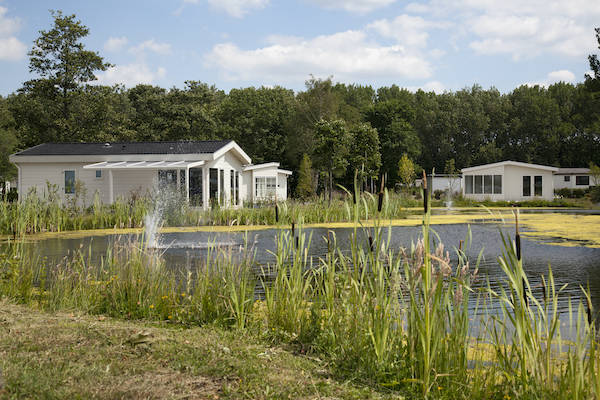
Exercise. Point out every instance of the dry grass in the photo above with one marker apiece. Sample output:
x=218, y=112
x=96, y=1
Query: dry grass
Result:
x=70, y=355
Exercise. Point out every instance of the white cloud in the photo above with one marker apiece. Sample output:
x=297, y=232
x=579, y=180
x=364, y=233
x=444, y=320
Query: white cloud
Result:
x=354, y=6
x=115, y=43
x=152, y=45
x=562, y=75
x=11, y=48
x=235, y=8
x=405, y=29
x=349, y=55
x=432, y=86
x=130, y=75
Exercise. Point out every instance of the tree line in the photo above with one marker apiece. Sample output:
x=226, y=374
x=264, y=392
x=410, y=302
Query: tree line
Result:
x=335, y=127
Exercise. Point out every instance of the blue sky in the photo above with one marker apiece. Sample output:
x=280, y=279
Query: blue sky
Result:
x=431, y=44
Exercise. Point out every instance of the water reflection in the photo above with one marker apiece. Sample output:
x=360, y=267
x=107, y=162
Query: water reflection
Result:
x=575, y=266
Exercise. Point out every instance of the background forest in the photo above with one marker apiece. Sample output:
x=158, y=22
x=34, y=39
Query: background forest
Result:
x=341, y=127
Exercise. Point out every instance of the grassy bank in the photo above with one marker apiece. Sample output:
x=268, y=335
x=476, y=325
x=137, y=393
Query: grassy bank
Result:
x=396, y=320
x=35, y=215
x=66, y=355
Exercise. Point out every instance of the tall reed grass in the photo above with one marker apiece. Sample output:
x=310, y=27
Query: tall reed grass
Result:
x=398, y=319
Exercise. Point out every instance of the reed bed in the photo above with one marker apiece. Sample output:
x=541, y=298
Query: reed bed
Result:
x=397, y=319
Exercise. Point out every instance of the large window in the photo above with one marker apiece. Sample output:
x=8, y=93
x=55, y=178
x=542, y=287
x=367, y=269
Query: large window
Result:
x=487, y=184
x=69, y=182
x=567, y=178
x=265, y=187
x=497, y=184
x=483, y=184
x=526, y=186
x=537, y=185
x=468, y=184
x=237, y=188
x=582, y=180
x=196, y=187
x=222, y=186
x=213, y=183
x=167, y=178
x=478, y=184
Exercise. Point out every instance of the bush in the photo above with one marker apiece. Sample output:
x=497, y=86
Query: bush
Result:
x=571, y=193
x=595, y=194
x=12, y=195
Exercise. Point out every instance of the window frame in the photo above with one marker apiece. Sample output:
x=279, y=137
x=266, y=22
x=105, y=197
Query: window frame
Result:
x=69, y=185
x=579, y=178
x=536, y=192
x=526, y=178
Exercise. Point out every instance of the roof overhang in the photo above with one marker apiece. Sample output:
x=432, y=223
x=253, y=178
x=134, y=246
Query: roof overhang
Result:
x=130, y=165
x=284, y=171
x=261, y=166
x=511, y=163
x=233, y=146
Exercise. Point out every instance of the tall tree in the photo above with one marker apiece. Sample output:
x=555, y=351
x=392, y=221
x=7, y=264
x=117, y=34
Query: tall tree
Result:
x=331, y=151
x=305, y=188
x=62, y=65
x=8, y=142
x=364, y=152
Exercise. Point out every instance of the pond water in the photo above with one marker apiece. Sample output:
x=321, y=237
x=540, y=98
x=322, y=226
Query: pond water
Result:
x=576, y=266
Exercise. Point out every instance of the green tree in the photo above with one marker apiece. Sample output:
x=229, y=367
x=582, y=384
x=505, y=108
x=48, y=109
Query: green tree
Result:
x=8, y=142
x=593, y=80
x=331, y=151
x=364, y=152
x=406, y=171
x=392, y=119
x=305, y=188
x=62, y=65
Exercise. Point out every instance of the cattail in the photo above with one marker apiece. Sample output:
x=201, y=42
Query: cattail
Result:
x=460, y=245
x=297, y=242
x=425, y=196
x=517, y=237
x=355, y=187
x=371, y=243
x=589, y=311
x=293, y=229
x=544, y=291
x=380, y=202
x=276, y=213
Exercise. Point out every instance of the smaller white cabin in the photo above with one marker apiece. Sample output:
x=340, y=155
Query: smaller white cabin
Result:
x=443, y=183
x=508, y=180
x=573, y=178
x=205, y=173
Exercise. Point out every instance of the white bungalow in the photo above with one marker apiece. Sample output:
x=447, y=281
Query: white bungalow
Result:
x=204, y=172
x=508, y=180
x=573, y=178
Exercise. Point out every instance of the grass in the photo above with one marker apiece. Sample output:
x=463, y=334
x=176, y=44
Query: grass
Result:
x=44, y=212
x=394, y=320
x=66, y=355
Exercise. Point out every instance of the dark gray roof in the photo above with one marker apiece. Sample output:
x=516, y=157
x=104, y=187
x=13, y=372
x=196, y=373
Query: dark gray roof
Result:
x=572, y=171
x=123, y=148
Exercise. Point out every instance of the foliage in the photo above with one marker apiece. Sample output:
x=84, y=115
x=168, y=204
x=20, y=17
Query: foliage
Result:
x=331, y=150
x=305, y=188
x=364, y=151
x=406, y=171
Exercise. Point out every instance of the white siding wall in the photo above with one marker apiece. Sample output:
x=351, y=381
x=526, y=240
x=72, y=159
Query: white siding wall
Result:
x=125, y=183
x=495, y=170
x=559, y=182
x=37, y=175
x=226, y=162
x=282, y=186
x=512, y=182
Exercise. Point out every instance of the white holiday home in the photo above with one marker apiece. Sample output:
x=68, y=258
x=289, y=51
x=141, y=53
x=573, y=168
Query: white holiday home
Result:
x=205, y=173
x=508, y=180
x=573, y=178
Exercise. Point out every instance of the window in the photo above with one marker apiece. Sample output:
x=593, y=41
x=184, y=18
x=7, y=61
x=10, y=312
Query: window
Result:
x=468, y=184
x=69, y=182
x=167, y=178
x=213, y=183
x=581, y=180
x=537, y=185
x=487, y=184
x=195, y=183
x=237, y=188
x=222, y=186
x=526, y=186
x=182, y=181
x=265, y=187
x=478, y=184
x=497, y=184
x=98, y=173
x=567, y=178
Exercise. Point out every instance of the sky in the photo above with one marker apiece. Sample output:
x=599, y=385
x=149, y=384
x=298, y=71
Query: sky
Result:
x=439, y=45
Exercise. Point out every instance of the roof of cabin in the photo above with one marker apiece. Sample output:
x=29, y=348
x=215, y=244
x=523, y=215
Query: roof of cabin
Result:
x=122, y=148
x=572, y=171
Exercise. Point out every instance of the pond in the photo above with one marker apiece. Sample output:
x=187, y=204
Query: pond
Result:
x=574, y=265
